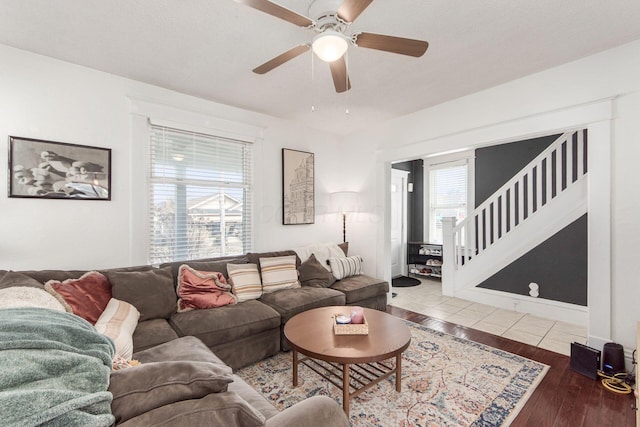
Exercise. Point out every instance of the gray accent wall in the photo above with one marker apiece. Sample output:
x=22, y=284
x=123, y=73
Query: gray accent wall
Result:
x=415, y=200
x=558, y=265
x=495, y=165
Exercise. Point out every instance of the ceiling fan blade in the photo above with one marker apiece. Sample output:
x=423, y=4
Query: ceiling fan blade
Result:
x=391, y=44
x=339, y=73
x=278, y=11
x=281, y=59
x=351, y=9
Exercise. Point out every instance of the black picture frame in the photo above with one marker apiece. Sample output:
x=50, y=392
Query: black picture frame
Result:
x=41, y=169
x=298, y=187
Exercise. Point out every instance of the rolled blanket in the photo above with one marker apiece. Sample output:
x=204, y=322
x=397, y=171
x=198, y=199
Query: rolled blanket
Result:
x=54, y=370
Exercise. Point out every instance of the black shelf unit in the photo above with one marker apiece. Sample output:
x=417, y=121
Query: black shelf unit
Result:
x=424, y=259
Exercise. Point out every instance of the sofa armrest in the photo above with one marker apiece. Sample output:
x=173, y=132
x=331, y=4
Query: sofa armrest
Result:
x=316, y=411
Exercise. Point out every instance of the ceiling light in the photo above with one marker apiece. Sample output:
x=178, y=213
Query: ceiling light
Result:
x=329, y=45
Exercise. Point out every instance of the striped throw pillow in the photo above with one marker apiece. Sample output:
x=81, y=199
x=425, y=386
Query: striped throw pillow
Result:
x=118, y=321
x=279, y=273
x=245, y=281
x=345, y=267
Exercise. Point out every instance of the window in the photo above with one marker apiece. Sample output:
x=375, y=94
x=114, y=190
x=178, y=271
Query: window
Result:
x=447, y=196
x=200, y=196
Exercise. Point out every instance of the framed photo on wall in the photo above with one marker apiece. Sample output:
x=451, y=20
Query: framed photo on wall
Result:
x=298, y=188
x=57, y=170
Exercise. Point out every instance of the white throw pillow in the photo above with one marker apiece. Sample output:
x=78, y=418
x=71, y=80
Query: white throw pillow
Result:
x=245, y=281
x=322, y=252
x=279, y=273
x=118, y=321
x=346, y=266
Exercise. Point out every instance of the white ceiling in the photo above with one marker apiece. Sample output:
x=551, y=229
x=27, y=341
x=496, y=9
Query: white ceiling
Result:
x=208, y=48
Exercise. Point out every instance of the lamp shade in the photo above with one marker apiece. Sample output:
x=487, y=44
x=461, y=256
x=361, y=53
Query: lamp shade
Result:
x=329, y=45
x=344, y=201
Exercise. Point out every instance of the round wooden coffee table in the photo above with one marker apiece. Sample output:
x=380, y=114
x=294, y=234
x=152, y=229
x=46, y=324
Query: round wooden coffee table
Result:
x=362, y=360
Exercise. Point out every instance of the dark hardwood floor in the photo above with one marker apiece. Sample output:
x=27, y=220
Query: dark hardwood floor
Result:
x=564, y=398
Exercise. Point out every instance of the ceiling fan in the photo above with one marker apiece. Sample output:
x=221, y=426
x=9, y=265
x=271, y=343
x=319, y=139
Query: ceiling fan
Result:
x=330, y=19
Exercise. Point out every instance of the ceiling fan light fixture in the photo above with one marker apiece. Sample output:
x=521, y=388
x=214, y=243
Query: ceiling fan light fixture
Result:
x=329, y=45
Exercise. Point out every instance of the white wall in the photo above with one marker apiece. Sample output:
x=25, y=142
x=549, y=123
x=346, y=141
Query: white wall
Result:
x=486, y=115
x=48, y=99
x=52, y=100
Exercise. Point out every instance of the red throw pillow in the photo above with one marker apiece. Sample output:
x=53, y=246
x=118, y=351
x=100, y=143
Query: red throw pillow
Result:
x=202, y=289
x=86, y=297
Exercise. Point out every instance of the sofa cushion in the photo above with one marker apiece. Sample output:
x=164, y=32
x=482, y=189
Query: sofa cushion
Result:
x=13, y=278
x=315, y=411
x=152, y=332
x=183, y=348
x=245, y=281
x=345, y=266
x=290, y=302
x=252, y=397
x=25, y=296
x=202, y=289
x=357, y=288
x=224, y=324
x=216, y=409
x=86, y=296
x=314, y=275
x=118, y=321
x=151, y=291
x=278, y=273
x=151, y=385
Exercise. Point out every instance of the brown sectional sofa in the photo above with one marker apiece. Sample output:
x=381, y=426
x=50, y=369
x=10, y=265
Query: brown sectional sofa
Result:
x=237, y=335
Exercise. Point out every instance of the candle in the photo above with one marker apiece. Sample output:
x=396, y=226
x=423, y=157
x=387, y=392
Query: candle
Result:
x=357, y=315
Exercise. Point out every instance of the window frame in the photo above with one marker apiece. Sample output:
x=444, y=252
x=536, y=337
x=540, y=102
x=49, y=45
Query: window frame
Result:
x=465, y=157
x=245, y=185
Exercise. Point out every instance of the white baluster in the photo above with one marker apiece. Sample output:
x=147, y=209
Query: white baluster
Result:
x=538, y=185
x=521, y=199
x=470, y=241
x=480, y=232
x=569, y=163
x=549, y=176
x=493, y=209
x=512, y=207
x=580, y=151
x=529, y=192
x=503, y=213
x=559, y=169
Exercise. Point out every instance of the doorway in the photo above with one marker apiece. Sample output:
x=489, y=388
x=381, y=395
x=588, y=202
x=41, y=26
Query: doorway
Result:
x=399, y=180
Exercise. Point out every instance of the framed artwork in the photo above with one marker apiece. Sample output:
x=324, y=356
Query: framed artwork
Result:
x=57, y=170
x=298, y=192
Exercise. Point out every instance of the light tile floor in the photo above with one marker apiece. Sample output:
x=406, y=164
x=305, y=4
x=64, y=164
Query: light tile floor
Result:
x=552, y=335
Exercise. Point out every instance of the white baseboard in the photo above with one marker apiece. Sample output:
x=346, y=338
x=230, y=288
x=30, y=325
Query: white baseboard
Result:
x=564, y=312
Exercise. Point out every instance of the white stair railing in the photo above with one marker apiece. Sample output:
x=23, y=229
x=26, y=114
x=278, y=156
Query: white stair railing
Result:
x=559, y=166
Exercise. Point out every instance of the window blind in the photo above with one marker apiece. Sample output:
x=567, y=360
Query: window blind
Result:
x=447, y=197
x=199, y=195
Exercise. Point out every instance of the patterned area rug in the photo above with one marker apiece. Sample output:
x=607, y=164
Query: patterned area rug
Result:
x=446, y=381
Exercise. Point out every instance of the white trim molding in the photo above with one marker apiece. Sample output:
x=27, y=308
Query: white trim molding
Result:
x=596, y=117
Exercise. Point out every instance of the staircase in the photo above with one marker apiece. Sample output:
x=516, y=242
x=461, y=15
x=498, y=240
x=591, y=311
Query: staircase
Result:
x=544, y=197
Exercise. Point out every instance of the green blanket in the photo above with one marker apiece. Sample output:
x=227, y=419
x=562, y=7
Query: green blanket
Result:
x=54, y=370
